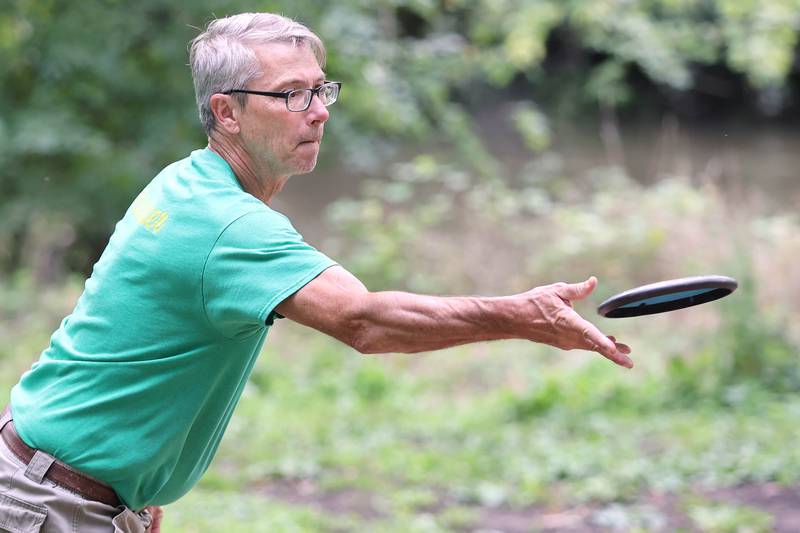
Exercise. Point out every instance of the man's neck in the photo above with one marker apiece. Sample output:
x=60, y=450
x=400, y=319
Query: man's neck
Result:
x=258, y=182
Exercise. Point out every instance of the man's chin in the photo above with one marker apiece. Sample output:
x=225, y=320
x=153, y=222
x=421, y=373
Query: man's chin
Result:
x=304, y=167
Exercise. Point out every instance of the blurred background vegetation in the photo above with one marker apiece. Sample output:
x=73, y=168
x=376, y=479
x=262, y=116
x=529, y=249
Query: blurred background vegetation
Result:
x=477, y=147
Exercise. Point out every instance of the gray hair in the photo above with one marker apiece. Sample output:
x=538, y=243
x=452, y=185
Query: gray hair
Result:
x=222, y=57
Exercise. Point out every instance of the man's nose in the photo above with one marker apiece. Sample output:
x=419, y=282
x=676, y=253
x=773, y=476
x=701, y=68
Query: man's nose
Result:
x=317, y=112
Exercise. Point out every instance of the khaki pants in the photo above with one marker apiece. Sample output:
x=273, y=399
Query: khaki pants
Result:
x=30, y=503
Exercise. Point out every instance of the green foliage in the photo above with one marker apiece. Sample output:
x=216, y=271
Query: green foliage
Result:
x=595, y=387
x=28, y=316
x=88, y=117
x=750, y=352
x=204, y=511
x=633, y=518
x=714, y=516
x=755, y=346
x=532, y=124
x=760, y=38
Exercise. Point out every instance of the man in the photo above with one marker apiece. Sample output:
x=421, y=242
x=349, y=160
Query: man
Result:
x=125, y=410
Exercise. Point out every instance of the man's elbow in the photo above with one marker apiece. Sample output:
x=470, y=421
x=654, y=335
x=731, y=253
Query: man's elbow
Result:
x=369, y=339
x=366, y=348
x=373, y=342
x=354, y=329
x=364, y=340
x=365, y=332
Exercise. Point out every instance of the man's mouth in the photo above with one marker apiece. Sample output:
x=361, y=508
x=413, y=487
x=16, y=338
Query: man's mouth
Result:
x=308, y=142
x=315, y=137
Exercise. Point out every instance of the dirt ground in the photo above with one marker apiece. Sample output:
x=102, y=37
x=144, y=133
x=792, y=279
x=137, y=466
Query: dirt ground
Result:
x=781, y=502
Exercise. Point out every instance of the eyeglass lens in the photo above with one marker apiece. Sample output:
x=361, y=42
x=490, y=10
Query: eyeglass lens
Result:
x=300, y=99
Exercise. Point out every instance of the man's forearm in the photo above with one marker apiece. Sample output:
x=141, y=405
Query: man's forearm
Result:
x=408, y=323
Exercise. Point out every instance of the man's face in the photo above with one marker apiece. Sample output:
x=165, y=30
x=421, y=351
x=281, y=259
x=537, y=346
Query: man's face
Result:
x=285, y=142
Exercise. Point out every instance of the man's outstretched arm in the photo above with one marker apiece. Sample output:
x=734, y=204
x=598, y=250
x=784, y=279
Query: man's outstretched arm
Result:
x=338, y=304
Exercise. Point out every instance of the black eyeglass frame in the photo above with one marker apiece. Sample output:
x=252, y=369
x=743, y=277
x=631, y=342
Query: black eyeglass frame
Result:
x=287, y=94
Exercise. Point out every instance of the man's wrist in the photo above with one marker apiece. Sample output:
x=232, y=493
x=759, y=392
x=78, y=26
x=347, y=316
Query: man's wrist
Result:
x=505, y=316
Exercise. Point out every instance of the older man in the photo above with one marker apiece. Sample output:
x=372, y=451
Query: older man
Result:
x=126, y=407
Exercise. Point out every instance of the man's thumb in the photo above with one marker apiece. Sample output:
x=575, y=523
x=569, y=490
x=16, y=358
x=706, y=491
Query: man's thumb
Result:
x=579, y=291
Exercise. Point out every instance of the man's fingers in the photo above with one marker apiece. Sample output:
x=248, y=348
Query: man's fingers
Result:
x=578, y=291
x=617, y=356
x=595, y=339
x=624, y=348
x=157, y=514
x=606, y=347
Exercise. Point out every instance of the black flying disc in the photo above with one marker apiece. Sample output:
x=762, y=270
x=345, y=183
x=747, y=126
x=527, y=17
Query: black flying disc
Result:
x=667, y=296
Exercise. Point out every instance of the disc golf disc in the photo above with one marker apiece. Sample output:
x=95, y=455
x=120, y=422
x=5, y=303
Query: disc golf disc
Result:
x=667, y=295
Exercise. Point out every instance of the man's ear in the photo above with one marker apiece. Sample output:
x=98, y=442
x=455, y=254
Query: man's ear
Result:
x=226, y=112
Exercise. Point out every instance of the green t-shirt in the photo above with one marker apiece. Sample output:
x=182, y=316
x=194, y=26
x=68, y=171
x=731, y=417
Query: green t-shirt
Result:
x=140, y=381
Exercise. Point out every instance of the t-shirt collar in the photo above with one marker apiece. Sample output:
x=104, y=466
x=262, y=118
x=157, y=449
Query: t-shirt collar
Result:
x=215, y=163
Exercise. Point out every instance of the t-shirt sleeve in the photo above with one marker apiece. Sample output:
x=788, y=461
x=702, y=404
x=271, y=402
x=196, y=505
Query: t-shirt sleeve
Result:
x=258, y=261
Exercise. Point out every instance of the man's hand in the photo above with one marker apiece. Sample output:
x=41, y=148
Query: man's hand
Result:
x=553, y=321
x=157, y=514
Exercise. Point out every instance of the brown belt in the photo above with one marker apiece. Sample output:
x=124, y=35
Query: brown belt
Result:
x=61, y=473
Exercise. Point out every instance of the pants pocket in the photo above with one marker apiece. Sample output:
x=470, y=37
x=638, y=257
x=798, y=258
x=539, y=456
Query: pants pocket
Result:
x=129, y=522
x=17, y=516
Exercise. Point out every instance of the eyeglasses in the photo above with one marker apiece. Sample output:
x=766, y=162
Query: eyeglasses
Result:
x=300, y=99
